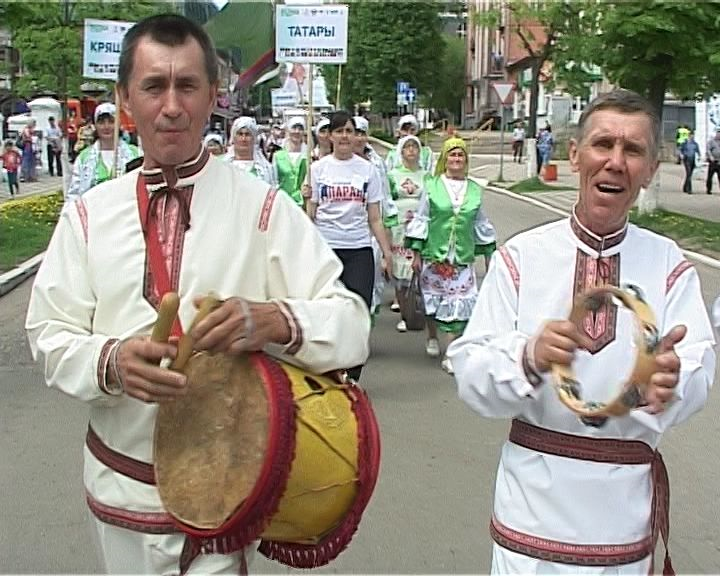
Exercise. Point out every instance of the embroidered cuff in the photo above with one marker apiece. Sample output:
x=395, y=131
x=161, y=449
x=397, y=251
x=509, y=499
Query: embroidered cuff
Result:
x=296, y=335
x=528, y=364
x=107, y=372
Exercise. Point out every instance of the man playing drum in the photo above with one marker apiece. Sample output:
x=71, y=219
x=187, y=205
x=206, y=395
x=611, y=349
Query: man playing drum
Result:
x=579, y=495
x=214, y=229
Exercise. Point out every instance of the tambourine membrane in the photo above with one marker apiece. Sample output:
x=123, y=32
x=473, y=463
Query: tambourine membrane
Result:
x=203, y=481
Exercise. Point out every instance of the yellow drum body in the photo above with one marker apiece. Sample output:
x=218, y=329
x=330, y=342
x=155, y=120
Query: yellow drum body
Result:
x=259, y=449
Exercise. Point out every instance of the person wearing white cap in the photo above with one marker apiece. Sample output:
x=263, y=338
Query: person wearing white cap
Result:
x=406, y=186
x=290, y=162
x=323, y=146
x=213, y=142
x=408, y=126
x=387, y=206
x=245, y=153
x=345, y=206
x=94, y=164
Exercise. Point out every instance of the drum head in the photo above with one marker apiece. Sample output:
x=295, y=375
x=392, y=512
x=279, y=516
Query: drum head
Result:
x=210, y=445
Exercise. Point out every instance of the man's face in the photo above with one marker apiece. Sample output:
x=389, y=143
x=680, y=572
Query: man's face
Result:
x=170, y=98
x=613, y=162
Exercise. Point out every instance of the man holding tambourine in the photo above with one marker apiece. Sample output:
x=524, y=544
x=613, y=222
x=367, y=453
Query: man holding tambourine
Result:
x=592, y=335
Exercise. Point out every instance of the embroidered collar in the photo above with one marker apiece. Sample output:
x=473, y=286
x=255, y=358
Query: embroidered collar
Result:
x=155, y=179
x=592, y=240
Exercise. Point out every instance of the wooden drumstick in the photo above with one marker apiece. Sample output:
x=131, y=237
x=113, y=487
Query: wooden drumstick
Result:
x=186, y=343
x=167, y=312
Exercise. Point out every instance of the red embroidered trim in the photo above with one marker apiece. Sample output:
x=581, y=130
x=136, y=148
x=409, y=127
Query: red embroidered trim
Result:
x=607, y=450
x=676, y=273
x=120, y=463
x=103, y=363
x=145, y=522
x=567, y=553
x=155, y=177
x=267, y=209
x=514, y=274
x=600, y=326
x=83, y=215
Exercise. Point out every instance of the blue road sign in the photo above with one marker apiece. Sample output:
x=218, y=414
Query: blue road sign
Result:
x=403, y=87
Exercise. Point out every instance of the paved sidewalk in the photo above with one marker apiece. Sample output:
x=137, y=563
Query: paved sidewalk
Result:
x=45, y=183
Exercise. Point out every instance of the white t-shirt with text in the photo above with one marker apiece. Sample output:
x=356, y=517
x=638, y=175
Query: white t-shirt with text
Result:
x=342, y=189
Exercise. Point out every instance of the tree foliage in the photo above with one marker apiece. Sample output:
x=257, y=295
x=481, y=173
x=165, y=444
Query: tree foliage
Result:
x=48, y=36
x=538, y=26
x=650, y=46
x=389, y=42
x=450, y=89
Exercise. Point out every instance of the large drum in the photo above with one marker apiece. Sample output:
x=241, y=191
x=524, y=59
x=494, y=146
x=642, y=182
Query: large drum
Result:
x=259, y=449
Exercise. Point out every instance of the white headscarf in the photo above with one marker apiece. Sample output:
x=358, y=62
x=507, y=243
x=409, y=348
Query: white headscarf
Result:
x=401, y=144
x=243, y=123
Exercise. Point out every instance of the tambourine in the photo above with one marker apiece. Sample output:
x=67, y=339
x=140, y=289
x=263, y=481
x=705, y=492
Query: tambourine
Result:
x=568, y=388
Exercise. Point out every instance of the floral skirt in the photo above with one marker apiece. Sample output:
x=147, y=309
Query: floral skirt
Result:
x=449, y=292
x=402, y=258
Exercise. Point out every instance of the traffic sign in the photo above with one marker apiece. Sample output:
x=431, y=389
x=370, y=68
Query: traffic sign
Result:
x=504, y=91
x=411, y=95
x=402, y=87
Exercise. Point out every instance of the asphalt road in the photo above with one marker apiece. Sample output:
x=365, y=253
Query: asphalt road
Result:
x=430, y=511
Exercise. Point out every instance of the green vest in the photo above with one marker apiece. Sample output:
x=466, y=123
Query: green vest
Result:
x=446, y=228
x=291, y=176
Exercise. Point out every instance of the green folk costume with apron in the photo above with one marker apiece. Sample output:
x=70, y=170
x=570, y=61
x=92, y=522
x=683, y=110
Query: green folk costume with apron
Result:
x=448, y=230
x=291, y=176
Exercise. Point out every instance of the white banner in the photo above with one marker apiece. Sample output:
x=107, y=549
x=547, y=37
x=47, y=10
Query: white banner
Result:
x=101, y=47
x=311, y=34
x=282, y=99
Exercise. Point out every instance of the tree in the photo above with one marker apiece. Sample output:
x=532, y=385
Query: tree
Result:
x=49, y=38
x=449, y=91
x=538, y=26
x=388, y=42
x=649, y=46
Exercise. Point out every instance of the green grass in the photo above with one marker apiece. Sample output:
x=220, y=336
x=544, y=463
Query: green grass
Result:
x=535, y=184
x=26, y=226
x=691, y=233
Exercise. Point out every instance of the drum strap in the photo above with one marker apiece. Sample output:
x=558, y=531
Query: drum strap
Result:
x=611, y=451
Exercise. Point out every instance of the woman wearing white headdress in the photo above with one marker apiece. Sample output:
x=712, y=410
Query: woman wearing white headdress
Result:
x=245, y=153
x=290, y=162
x=406, y=186
x=323, y=146
x=95, y=163
x=408, y=126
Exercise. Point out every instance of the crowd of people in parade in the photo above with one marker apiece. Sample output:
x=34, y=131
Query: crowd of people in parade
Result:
x=293, y=247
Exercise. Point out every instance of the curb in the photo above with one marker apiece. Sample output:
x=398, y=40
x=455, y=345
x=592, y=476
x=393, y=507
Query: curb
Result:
x=19, y=274
x=702, y=258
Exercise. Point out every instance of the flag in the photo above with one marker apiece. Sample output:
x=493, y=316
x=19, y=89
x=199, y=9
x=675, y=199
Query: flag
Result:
x=246, y=26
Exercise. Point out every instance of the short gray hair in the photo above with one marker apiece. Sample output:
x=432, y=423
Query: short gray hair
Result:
x=626, y=102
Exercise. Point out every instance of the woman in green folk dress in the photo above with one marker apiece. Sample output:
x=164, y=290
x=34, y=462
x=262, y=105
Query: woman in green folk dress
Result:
x=448, y=232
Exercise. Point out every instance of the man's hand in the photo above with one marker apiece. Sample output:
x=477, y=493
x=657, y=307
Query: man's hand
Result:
x=556, y=343
x=138, y=364
x=238, y=326
x=661, y=388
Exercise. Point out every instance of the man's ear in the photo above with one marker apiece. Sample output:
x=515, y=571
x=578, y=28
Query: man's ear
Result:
x=123, y=96
x=573, y=154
